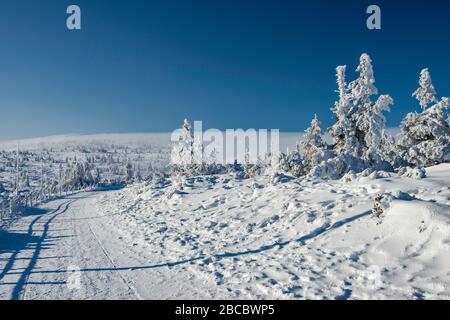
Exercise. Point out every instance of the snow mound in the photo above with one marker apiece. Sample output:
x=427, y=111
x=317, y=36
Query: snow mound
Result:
x=416, y=229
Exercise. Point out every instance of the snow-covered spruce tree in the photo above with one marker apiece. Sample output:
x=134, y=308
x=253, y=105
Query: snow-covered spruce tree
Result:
x=277, y=166
x=343, y=131
x=183, y=150
x=81, y=176
x=188, y=158
x=295, y=162
x=425, y=94
x=129, y=173
x=77, y=176
x=313, y=145
x=373, y=123
x=359, y=137
x=368, y=114
x=90, y=178
x=210, y=162
x=425, y=136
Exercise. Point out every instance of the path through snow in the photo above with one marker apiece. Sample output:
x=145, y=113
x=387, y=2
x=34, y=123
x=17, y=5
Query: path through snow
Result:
x=66, y=250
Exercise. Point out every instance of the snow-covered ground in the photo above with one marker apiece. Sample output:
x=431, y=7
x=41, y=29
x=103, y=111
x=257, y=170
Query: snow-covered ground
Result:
x=222, y=237
x=226, y=238
x=299, y=239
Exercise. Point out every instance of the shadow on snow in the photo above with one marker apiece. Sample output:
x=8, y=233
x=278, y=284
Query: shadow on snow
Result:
x=15, y=243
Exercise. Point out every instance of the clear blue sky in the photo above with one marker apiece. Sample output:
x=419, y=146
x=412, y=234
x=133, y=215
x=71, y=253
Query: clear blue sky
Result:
x=143, y=66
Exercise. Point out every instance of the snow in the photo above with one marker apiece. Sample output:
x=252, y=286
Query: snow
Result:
x=94, y=139
x=299, y=239
x=224, y=237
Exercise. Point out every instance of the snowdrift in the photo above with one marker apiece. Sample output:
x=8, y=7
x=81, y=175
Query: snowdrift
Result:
x=301, y=239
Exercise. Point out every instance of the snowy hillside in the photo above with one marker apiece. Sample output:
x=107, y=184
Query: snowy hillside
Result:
x=59, y=142
x=306, y=238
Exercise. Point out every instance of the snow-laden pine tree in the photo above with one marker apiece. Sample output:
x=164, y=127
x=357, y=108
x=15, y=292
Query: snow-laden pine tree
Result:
x=296, y=165
x=368, y=115
x=313, y=145
x=359, y=137
x=81, y=176
x=129, y=173
x=363, y=87
x=425, y=94
x=76, y=176
x=278, y=165
x=372, y=122
x=425, y=136
x=188, y=156
x=344, y=130
x=183, y=150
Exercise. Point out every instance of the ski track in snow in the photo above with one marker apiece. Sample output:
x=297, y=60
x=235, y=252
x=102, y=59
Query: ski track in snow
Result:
x=227, y=238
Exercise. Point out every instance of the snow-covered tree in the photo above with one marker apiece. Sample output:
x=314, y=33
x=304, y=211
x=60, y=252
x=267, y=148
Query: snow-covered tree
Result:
x=295, y=163
x=313, y=145
x=81, y=176
x=283, y=164
x=129, y=173
x=359, y=136
x=425, y=136
x=363, y=87
x=425, y=94
x=372, y=122
x=344, y=130
x=368, y=114
x=188, y=154
x=183, y=149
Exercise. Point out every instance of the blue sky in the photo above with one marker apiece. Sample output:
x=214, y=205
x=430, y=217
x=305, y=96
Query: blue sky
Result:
x=143, y=66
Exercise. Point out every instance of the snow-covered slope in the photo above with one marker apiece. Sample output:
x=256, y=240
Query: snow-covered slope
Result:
x=299, y=239
x=62, y=141
x=287, y=140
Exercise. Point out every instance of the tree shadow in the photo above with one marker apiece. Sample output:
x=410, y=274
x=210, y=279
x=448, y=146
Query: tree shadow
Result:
x=34, y=211
x=16, y=241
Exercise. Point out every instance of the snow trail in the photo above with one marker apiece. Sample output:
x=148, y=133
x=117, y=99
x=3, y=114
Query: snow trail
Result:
x=43, y=251
x=36, y=264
